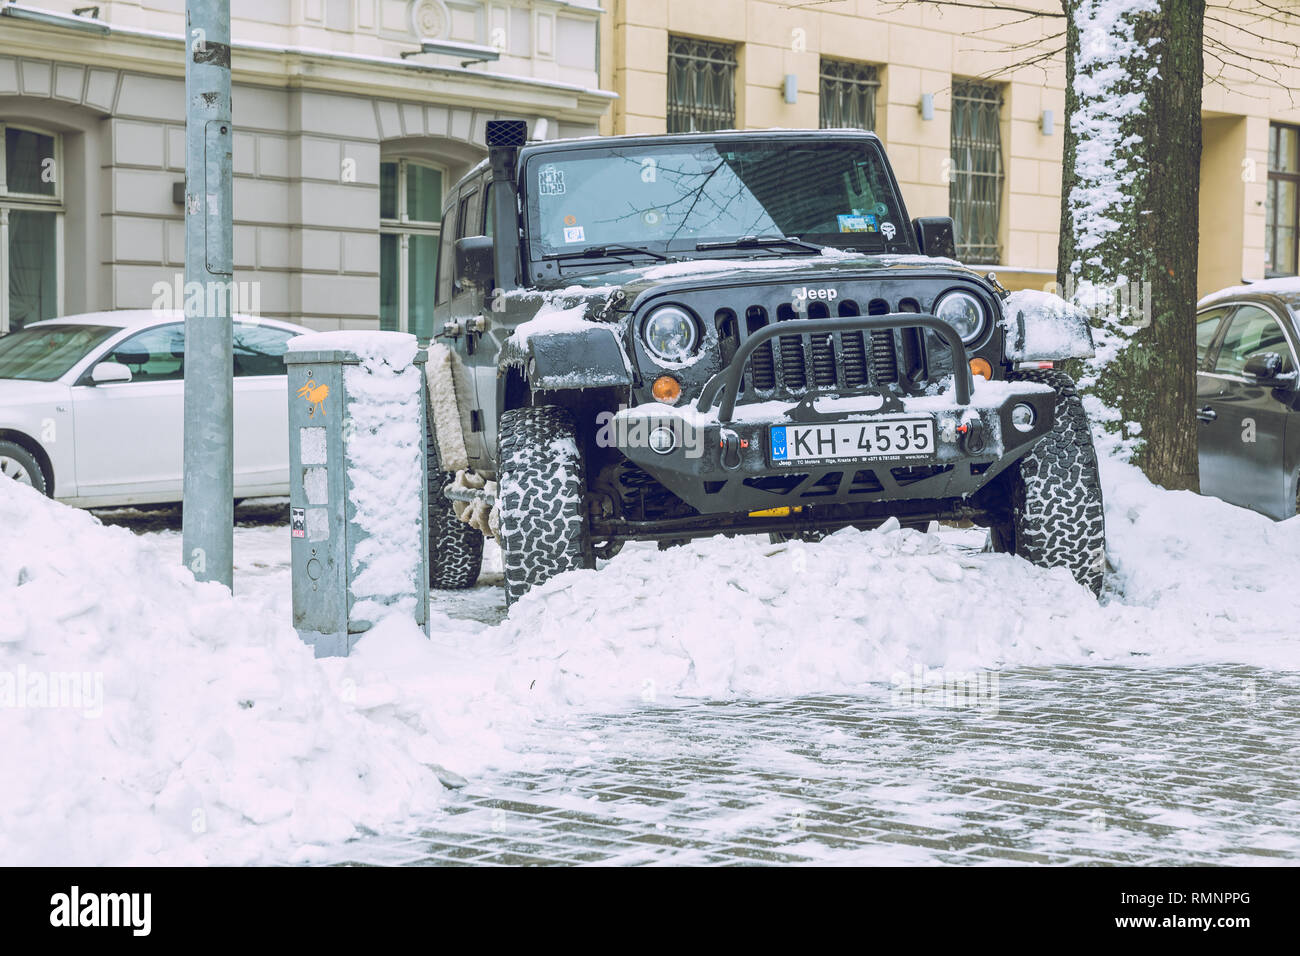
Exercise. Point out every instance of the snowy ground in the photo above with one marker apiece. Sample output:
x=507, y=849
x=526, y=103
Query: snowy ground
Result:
x=884, y=696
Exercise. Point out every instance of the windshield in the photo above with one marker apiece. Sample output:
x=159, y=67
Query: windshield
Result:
x=670, y=197
x=44, y=353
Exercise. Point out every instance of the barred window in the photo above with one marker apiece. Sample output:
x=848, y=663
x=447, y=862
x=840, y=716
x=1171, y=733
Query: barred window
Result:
x=848, y=95
x=701, y=85
x=975, y=187
x=1282, y=206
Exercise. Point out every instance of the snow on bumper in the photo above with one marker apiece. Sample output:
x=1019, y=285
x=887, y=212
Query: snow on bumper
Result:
x=729, y=467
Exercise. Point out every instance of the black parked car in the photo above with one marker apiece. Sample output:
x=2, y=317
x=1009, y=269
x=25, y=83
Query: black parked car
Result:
x=667, y=337
x=1248, y=397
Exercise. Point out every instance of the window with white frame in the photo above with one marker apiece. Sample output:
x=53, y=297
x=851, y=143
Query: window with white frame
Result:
x=31, y=226
x=410, y=220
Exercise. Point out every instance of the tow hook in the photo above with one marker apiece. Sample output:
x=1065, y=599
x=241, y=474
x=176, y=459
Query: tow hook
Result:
x=730, y=444
x=971, y=436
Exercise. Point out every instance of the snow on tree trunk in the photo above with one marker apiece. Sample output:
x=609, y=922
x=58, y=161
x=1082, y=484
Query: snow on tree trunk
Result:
x=1128, y=247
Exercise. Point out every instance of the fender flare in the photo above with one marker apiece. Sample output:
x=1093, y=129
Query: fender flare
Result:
x=1041, y=327
x=568, y=359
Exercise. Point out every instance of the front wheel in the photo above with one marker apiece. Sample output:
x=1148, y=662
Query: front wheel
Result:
x=18, y=464
x=1052, y=511
x=543, y=526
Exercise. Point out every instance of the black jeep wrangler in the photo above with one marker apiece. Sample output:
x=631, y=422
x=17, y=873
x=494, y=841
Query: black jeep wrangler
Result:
x=666, y=337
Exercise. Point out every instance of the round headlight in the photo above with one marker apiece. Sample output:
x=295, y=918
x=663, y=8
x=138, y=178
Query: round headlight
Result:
x=963, y=312
x=671, y=334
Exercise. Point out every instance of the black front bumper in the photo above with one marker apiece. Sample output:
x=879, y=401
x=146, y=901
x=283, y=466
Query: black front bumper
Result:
x=722, y=462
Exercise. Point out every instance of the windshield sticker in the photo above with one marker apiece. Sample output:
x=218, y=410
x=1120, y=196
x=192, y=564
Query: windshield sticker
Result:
x=858, y=223
x=651, y=217
x=887, y=230
x=575, y=234
x=570, y=220
x=881, y=209
x=550, y=181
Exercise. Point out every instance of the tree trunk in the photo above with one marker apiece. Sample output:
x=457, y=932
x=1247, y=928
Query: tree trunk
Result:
x=1129, y=230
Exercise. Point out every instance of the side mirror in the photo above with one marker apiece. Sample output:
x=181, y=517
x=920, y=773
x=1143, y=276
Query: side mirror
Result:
x=936, y=236
x=107, y=372
x=474, y=261
x=1264, y=367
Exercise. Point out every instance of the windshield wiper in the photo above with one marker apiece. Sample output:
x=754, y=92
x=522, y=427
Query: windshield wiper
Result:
x=606, y=252
x=759, y=242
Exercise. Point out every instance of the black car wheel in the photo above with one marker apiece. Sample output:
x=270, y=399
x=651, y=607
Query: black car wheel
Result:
x=18, y=464
x=1051, y=510
x=543, y=528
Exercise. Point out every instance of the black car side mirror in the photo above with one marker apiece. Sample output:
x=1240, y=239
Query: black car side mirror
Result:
x=1265, y=368
x=936, y=236
x=474, y=264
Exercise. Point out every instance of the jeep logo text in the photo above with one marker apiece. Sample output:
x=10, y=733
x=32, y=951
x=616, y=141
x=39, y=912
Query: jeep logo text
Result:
x=807, y=293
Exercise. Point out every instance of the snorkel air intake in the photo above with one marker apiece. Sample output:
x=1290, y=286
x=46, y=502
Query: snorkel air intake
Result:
x=504, y=137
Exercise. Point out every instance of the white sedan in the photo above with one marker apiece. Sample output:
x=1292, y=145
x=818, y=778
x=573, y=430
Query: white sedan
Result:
x=92, y=407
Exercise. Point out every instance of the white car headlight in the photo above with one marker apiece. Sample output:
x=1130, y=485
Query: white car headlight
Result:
x=963, y=312
x=671, y=334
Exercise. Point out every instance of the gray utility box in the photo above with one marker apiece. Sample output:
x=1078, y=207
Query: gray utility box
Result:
x=358, y=497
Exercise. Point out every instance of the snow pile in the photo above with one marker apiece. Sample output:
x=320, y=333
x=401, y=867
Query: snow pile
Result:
x=385, y=472
x=396, y=349
x=148, y=718
x=1196, y=579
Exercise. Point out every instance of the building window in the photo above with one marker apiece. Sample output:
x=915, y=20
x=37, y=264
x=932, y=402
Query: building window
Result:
x=410, y=220
x=975, y=189
x=701, y=85
x=31, y=226
x=848, y=95
x=1282, y=206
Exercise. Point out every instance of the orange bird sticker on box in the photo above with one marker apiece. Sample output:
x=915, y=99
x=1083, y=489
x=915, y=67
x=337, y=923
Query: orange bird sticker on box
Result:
x=315, y=395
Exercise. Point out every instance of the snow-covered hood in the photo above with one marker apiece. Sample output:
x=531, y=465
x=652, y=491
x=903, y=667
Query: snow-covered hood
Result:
x=630, y=284
x=18, y=392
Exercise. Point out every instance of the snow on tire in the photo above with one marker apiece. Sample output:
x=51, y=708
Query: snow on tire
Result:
x=543, y=528
x=1057, y=516
x=455, y=548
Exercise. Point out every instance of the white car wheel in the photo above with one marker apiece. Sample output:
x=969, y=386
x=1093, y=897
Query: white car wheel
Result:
x=11, y=468
x=17, y=464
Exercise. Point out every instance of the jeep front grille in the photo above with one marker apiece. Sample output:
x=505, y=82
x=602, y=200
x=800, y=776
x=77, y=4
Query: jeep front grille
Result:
x=793, y=364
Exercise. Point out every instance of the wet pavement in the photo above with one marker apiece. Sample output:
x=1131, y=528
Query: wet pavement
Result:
x=1062, y=765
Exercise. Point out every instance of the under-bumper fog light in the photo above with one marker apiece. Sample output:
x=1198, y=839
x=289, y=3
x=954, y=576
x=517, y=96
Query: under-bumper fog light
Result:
x=1023, y=417
x=662, y=440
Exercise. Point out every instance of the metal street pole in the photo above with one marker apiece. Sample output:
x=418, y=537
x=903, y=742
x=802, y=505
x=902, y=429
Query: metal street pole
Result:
x=207, y=528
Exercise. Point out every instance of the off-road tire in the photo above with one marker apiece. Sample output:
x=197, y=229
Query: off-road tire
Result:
x=1055, y=517
x=455, y=548
x=23, y=463
x=543, y=527
x=809, y=537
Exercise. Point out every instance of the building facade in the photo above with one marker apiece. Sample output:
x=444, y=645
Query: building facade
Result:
x=969, y=107
x=346, y=136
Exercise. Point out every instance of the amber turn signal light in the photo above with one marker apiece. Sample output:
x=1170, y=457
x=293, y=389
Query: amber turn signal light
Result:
x=667, y=389
x=979, y=366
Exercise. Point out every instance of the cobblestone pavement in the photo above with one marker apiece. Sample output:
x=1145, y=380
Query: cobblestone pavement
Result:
x=1063, y=765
